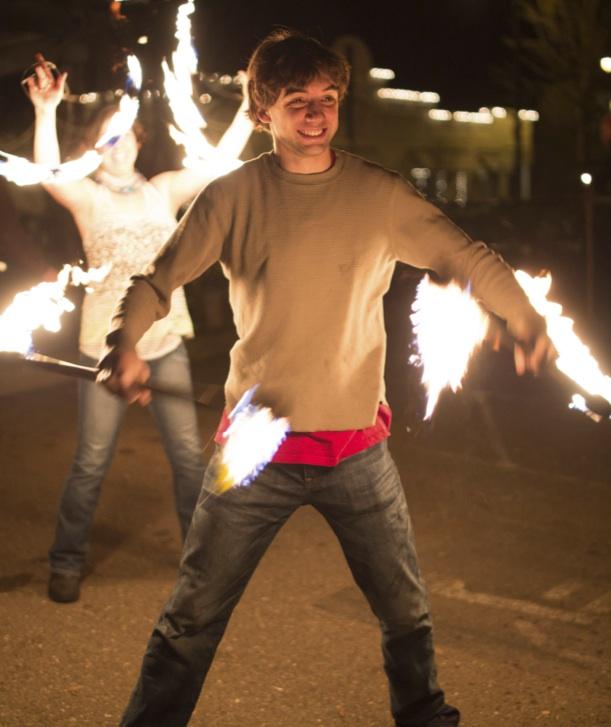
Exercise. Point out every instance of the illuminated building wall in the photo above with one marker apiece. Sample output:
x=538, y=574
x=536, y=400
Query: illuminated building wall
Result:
x=452, y=156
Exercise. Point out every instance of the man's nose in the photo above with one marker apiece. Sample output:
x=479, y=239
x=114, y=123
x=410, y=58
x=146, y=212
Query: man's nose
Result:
x=314, y=108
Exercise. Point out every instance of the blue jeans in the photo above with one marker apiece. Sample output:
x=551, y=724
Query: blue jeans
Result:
x=99, y=418
x=364, y=503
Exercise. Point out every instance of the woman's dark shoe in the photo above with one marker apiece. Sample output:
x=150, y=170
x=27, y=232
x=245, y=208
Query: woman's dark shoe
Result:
x=64, y=587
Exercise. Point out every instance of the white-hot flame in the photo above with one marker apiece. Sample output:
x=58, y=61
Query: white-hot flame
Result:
x=574, y=357
x=23, y=172
x=449, y=325
x=189, y=122
x=123, y=119
x=42, y=307
x=251, y=440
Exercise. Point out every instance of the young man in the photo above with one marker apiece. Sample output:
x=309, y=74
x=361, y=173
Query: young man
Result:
x=308, y=237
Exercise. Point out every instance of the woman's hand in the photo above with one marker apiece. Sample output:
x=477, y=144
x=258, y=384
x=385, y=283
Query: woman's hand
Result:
x=243, y=79
x=44, y=88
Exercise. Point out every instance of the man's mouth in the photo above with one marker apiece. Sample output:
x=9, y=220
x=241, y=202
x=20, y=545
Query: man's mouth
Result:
x=312, y=133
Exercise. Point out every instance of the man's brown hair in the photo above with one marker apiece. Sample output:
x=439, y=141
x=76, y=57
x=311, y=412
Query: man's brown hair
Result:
x=287, y=58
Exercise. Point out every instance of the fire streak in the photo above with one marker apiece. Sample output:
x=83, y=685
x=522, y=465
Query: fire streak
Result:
x=189, y=121
x=23, y=172
x=42, y=307
x=574, y=357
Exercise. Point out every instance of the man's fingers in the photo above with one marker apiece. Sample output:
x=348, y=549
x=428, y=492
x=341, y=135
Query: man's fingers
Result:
x=536, y=357
x=520, y=359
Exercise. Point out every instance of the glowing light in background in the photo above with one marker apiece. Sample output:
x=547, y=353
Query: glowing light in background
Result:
x=403, y=94
x=251, y=440
x=440, y=115
x=528, y=115
x=499, y=112
x=605, y=64
x=42, y=307
x=473, y=117
x=382, y=74
x=586, y=178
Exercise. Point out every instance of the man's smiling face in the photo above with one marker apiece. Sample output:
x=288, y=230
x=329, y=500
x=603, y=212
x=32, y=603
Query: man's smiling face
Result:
x=303, y=121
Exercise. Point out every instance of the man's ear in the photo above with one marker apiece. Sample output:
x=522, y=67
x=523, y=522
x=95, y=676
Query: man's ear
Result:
x=263, y=116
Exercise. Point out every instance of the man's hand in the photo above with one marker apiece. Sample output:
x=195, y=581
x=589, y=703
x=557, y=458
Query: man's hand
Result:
x=124, y=373
x=534, y=355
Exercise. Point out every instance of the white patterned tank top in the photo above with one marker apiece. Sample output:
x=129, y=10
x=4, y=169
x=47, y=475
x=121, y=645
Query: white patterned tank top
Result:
x=128, y=242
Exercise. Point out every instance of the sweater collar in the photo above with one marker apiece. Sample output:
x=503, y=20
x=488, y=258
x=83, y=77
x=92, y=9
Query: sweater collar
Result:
x=309, y=179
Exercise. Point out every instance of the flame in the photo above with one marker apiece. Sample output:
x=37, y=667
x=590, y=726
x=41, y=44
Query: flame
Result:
x=251, y=440
x=42, y=307
x=189, y=121
x=574, y=357
x=123, y=120
x=23, y=172
x=449, y=325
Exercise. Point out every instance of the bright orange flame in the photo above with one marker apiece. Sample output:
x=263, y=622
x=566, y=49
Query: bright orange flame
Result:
x=574, y=357
x=189, y=121
x=42, y=307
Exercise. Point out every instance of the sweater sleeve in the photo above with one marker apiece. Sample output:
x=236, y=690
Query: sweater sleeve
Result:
x=194, y=246
x=424, y=237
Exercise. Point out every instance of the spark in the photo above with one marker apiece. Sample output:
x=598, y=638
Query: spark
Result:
x=42, y=307
x=251, y=440
x=449, y=325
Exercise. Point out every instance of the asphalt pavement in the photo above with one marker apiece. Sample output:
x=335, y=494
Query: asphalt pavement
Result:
x=510, y=495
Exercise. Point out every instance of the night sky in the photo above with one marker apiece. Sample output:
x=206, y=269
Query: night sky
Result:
x=448, y=46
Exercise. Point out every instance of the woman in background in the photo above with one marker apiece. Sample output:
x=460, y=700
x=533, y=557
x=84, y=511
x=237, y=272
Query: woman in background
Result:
x=123, y=220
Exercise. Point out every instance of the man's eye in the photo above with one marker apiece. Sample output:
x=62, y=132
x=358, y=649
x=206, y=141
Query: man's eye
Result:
x=329, y=100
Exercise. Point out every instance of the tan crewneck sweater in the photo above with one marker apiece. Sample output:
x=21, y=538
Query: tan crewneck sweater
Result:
x=309, y=258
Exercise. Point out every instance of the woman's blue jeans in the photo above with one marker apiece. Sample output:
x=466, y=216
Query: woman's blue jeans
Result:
x=364, y=503
x=99, y=419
